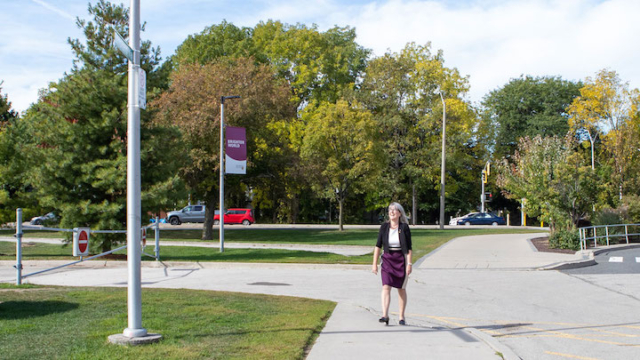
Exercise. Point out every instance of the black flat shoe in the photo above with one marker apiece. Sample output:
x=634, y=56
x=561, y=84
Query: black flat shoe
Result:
x=402, y=322
x=384, y=320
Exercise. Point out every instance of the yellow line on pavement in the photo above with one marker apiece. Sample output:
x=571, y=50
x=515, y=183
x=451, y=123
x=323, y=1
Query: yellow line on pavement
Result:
x=614, y=333
x=444, y=319
x=562, y=335
x=460, y=322
x=569, y=356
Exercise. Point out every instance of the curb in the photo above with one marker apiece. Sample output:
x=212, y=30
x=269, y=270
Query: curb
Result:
x=598, y=251
x=569, y=265
x=507, y=353
x=588, y=260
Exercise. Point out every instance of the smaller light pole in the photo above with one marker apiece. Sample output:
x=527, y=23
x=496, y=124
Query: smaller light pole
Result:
x=221, y=210
x=593, y=164
x=443, y=165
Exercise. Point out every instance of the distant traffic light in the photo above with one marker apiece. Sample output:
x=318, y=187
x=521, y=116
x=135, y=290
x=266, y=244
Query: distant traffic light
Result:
x=488, y=197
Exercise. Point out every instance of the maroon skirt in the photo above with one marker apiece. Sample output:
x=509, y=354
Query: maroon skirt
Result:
x=393, y=269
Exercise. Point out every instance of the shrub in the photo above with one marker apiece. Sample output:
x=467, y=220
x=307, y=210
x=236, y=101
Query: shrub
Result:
x=609, y=217
x=631, y=203
x=565, y=239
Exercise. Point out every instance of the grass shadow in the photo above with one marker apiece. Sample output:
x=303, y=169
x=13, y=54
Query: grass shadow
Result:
x=13, y=310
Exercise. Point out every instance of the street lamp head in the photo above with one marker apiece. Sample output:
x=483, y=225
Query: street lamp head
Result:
x=223, y=98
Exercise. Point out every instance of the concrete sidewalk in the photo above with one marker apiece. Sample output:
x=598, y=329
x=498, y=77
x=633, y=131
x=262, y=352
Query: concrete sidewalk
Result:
x=450, y=314
x=509, y=251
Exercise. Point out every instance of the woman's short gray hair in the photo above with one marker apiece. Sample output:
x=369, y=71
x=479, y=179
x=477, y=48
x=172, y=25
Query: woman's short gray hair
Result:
x=403, y=216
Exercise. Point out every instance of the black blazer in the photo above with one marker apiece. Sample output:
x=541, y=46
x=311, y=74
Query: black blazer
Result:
x=404, y=234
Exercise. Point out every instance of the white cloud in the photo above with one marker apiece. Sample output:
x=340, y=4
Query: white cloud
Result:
x=493, y=41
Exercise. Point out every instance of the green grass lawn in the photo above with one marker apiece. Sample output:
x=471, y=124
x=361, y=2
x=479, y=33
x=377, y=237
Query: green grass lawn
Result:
x=39, y=322
x=424, y=241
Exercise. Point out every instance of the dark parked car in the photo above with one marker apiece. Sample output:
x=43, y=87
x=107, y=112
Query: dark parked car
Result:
x=481, y=219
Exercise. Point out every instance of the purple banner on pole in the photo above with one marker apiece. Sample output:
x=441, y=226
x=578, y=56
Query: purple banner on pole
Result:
x=236, y=150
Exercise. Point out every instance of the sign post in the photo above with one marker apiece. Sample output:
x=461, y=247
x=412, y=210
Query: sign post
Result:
x=222, y=156
x=19, y=246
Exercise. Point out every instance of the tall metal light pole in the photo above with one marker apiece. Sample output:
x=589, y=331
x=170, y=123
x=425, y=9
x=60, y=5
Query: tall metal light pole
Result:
x=442, y=165
x=593, y=163
x=221, y=216
x=134, y=298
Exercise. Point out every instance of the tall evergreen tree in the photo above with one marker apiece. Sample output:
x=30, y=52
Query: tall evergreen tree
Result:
x=10, y=179
x=6, y=113
x=78, y=128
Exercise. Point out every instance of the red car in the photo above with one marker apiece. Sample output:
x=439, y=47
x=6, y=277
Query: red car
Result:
x=236, y=216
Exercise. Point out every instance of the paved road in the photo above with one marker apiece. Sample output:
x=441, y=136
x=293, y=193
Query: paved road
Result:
x=454, y=312
x=613, y=262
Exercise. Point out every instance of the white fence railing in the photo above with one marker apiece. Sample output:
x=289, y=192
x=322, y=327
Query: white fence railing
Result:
x=20, y=227
x=606, y=232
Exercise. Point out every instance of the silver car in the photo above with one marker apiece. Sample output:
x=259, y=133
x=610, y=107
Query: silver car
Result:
x=39, y=220
x=191, y=213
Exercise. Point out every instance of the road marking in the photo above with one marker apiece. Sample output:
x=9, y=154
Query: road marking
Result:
x=607, y=335
x=616, y=259
x=569, y=356
x=563, y=335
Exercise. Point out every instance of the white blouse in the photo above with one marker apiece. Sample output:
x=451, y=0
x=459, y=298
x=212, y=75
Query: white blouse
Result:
x=394, y=240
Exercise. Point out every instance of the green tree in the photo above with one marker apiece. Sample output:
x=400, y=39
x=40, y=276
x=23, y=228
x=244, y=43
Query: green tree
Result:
x=556, y=181
x=77, y=134
x=403, y=91
x=223, y=40
x=192, y=106
x=608, y=106
x=318, y=66
x=340, y=147
x=528, y=106
x=6, y=113
x=10, y=179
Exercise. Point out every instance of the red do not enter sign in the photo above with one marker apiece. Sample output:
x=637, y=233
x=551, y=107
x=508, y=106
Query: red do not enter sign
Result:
x=81, y=241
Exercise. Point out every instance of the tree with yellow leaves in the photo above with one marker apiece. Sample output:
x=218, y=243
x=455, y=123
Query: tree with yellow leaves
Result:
x=607, y=105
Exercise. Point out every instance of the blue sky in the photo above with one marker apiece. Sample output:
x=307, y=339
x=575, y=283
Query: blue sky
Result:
x=491, y=41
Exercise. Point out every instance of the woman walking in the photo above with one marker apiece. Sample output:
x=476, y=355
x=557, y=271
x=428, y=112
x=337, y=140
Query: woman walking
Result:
x=394, y=238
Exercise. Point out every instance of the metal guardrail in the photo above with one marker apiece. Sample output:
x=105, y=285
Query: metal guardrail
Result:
x=608, y=234
x=19, y=234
